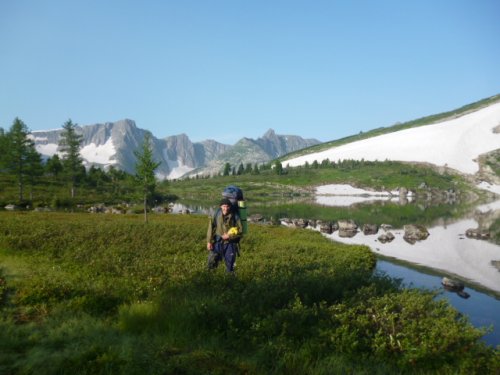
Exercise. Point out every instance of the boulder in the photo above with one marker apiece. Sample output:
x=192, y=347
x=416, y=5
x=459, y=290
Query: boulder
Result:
x=325, y=227
x=11, y=207
x=454, y=286
x=255, y=218
x=300, y=223
x=414, y=233
x=159, y=210
x=98, y=208
x=347, y=233
x=347, y=225
x=370, y=229
x=479, y=234
x=335, y=226
x=386, y=237
x=386, y=227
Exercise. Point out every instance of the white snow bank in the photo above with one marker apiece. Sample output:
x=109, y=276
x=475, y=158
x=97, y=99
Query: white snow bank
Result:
x=454, y=143
x=101, y=154
x=487, y=186
x=50, y=149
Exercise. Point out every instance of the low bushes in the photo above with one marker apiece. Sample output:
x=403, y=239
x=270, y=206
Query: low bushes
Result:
x=108, y=294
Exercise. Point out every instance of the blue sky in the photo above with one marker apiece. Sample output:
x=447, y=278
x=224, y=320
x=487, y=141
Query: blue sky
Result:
x=224, y=69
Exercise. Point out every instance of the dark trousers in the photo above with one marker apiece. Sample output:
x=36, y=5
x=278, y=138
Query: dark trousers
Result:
x=226, y=251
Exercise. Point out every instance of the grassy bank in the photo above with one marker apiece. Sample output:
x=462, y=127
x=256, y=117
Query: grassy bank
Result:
x=102, y=294
x=388, y=175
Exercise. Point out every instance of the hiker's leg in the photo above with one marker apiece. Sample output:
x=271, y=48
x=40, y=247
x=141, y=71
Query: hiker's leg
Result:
x=214, y=257
x=229, y=257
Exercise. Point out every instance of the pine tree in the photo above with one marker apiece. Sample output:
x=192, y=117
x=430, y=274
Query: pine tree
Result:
x=278, y=167
x=17, y=145
x=3, y=150
x=145, y=171
x=256, y=169
x=227, y=169
x=69, y=145
x=53, y=166
x=34, y=167
x=241, y=169
x=248, y=168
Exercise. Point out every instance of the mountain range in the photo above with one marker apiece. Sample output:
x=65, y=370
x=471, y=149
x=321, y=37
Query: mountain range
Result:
x=113, y=144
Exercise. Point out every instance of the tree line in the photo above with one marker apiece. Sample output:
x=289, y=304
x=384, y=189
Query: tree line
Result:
x=23, y=164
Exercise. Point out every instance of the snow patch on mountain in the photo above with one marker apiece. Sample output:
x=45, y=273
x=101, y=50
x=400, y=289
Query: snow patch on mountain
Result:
x=99, y=154
x=177, y=169
x=455, y=143
x=49, y=149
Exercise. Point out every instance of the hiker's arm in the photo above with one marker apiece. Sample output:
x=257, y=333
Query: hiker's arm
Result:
x=240, y=230
x=210, y=235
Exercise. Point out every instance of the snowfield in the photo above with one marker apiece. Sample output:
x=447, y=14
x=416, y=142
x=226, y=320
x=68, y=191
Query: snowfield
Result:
x=101, y=154
x=455, y=143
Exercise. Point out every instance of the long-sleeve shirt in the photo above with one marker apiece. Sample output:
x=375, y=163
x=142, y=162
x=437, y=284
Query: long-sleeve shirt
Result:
x=220, y=224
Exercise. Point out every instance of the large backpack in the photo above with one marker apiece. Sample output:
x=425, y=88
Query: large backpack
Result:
x=238, y=207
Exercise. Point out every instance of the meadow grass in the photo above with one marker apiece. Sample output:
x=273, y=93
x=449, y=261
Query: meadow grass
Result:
x=107, y=294
x=381, y=176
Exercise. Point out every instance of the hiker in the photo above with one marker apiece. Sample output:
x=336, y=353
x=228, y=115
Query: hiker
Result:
x=223, y=235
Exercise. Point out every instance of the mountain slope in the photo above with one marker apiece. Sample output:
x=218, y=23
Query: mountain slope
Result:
x=113, y=144
x=456, y=143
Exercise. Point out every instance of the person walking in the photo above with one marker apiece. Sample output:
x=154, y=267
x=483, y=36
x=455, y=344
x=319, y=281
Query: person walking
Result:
x=224, y=233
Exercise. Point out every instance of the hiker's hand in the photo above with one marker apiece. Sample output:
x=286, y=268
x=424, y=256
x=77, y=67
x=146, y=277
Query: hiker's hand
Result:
x=210, y=246
x=225, y=236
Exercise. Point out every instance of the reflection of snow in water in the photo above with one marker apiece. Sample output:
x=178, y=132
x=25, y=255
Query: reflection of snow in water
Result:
x=347, y=200
x=342, y=195
x=445, y=249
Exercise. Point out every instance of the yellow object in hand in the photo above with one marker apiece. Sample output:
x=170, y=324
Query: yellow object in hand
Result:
x=233, y=231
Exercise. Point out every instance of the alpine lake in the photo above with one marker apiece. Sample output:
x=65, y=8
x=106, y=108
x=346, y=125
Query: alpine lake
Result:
x=462, y=245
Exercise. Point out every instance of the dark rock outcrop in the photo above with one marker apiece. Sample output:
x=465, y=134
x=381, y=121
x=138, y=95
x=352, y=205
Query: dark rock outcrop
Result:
x=414, y=233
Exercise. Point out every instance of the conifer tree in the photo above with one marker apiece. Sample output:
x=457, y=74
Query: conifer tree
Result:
x=278, y=167
x=69, y=145
x=241, y=169
x=3, y=150
x=227, y=169
x=256, y=169
x=248, y=168
x=53, y=166
x=145, y=171
x=17, y=147
x=34, y=167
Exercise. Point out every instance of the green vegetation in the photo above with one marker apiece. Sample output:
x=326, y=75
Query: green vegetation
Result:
x=102, y=294
x=387, y=175
x=145, y=172
x=70, y=144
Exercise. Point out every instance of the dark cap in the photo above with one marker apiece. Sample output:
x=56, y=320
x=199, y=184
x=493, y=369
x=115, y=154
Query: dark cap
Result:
x=225, y=201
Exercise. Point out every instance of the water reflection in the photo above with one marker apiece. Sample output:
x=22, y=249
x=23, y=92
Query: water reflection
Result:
x=482, y=310
x=446, y=249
